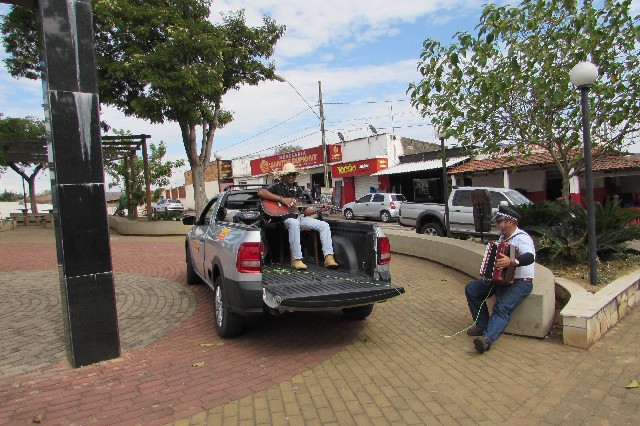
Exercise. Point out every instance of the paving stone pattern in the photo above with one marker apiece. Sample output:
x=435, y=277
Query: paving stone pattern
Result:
x=396, y=367
x=148, y=308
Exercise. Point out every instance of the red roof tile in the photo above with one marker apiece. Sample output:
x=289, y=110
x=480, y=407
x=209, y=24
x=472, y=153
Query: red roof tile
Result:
x=600, y=163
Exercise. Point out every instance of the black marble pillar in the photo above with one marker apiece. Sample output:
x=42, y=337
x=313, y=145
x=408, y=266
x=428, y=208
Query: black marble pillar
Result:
x=77, y=181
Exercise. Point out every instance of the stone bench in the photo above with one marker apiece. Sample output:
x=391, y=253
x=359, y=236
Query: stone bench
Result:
x=533, y=317
x=8, y=224
x=29, y=219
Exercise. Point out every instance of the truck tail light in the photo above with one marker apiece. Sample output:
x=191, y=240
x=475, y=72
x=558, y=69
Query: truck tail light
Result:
x=384, y=251
x=392, y=205
x=249, y=256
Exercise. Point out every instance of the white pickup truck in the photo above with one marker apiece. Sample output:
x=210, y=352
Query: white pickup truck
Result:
x=428, y=218
x=245, y=260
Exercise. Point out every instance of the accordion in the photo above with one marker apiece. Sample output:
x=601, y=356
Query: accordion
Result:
x=489, y=270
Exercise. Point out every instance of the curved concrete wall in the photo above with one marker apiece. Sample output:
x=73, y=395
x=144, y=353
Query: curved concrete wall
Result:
x=535, y=315
x=125, y=226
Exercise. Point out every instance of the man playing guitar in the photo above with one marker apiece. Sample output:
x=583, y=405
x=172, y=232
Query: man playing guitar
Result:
x=287, y=193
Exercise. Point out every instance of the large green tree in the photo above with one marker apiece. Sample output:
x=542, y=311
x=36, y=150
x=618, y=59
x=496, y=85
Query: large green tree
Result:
x=509, y=81
x=22, y=129
x=163, y=60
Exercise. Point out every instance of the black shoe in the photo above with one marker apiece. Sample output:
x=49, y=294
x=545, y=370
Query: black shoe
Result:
x=482, y=344
x=475, y=331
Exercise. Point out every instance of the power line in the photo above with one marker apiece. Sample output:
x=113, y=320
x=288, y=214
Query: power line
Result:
x=266, y=130
x=278, y=145
x=305, y=101
x=365, y=102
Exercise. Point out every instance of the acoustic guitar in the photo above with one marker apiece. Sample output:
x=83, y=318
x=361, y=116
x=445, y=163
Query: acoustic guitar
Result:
x=277, y=210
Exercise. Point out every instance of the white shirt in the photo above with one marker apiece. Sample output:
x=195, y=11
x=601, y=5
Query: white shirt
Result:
x=523, y=241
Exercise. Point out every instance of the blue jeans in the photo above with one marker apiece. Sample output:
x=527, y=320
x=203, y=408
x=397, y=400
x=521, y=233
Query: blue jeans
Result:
x=293, y=226
x=508, y=297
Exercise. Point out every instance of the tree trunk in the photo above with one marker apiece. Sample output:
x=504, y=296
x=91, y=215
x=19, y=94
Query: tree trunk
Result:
x=32, y=193
x=199, y=193
x=197, y=169
x=199, y=162
x=566, y=189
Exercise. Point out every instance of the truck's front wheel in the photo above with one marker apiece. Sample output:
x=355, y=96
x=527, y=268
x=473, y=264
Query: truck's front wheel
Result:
x=228, y=324
x=431, y=228
x=348, y=214
x=358, y=313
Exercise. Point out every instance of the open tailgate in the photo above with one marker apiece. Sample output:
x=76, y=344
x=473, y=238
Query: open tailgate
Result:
x=320, y=288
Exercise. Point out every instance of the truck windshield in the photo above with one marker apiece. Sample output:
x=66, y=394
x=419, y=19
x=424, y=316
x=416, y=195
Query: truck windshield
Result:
x=517, y=198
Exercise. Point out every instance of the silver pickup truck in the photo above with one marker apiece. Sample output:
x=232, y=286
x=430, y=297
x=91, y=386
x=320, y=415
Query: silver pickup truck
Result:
x=244, y=258
x=428, y=218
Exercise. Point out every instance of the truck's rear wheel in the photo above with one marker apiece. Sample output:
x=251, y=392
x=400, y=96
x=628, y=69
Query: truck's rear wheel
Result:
x=228, y=324
x=385, y=216
x=192, y=277
x=358, y=313
x=432, y=228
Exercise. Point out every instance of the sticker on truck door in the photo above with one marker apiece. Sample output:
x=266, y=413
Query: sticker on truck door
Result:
x=222, y=234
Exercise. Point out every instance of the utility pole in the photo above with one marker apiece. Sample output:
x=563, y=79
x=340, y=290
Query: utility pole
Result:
x=324, y=140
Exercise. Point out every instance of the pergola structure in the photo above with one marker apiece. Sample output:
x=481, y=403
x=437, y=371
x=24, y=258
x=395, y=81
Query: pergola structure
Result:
x=114, y=148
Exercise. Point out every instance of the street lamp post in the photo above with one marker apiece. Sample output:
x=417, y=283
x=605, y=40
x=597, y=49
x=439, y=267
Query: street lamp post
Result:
x=218, y=156
x=583, y=75
x=445, y=184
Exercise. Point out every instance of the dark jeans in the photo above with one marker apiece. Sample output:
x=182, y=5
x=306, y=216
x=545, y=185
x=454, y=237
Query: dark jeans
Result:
x=508, y=297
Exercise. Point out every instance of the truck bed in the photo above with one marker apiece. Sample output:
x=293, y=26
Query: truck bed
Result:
x=321, y=288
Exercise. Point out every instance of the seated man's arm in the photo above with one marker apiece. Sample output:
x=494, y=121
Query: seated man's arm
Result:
x=527, y=252
x=268, y=195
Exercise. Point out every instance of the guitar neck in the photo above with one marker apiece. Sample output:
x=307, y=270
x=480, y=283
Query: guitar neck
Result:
x=276, y=208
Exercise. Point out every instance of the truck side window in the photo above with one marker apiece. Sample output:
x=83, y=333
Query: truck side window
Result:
x=378, y=198
x=496, y=197
x=462, y=199
x=364, y=199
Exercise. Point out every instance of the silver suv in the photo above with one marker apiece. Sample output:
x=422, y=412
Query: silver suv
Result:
x=384, y=206
x=168, y=205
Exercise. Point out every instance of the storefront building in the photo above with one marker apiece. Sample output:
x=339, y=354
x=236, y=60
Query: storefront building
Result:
x=537, y=177
x=351, y=167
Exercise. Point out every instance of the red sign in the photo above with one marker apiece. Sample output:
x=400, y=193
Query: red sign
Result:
x=354, y=168
x=303, y=158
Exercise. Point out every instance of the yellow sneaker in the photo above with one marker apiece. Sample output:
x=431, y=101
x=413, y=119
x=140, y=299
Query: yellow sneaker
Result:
x=330, y=262
x=298, y=264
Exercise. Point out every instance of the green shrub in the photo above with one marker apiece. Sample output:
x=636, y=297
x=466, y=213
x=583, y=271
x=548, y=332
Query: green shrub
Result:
x=560, y=229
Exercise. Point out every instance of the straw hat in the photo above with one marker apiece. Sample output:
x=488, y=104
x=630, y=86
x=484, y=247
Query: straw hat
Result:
x=286, y=169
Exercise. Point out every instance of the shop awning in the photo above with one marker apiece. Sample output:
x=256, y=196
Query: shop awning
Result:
x=420, y=165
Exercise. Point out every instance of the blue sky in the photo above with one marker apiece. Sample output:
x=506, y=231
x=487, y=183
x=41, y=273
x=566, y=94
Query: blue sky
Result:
x=364, y=53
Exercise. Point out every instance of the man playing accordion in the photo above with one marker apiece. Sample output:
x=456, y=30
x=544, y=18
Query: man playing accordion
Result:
x=488, y=328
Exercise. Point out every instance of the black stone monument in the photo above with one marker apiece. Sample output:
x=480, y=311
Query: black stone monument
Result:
x=72, y=121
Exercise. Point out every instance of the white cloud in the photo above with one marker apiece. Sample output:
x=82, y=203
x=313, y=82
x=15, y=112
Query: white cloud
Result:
x=316, y=23
x=316, y=32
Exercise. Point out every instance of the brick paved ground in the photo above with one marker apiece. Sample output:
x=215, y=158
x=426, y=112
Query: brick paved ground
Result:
x=397, y=367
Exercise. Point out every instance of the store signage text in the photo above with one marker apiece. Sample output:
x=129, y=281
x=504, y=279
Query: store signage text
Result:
x=364, y=167
x=302, y=158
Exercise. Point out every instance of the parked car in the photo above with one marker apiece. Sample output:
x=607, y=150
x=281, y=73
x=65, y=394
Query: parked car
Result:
x=244, y=259
x=428, y=218
x=168, y=205
x=385, y=206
